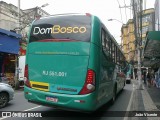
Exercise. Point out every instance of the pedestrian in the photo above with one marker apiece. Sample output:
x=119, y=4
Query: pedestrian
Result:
x=1, y=77
x=152, y=77
x=158, y=83
x=136, y=77
x=144, y=77
x=148, y=79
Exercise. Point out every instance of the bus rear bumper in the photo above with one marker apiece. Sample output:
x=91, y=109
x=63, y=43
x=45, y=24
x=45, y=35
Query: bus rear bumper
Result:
x=64, y=101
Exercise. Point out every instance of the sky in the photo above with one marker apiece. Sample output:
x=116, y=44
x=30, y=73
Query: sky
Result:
x=104, y=9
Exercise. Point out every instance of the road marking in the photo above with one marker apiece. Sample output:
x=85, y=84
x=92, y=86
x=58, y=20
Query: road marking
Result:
x=130, y=102
x=33, y=108
x=21, y=111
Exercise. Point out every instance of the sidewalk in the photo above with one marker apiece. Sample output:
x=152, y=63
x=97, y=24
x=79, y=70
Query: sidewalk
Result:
x=154, y=93
x=145, y=101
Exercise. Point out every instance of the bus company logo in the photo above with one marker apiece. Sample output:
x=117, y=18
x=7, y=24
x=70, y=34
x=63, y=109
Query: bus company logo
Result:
x=56, y=29
x=21, y=114
x=67, y=89
x=6, y=114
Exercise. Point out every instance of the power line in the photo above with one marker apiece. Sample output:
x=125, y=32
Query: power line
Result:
x=145, y=4
x=125, y=10
x=130, y=10
x=120, y=11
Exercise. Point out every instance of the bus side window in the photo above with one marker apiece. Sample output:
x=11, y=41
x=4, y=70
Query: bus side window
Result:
x=107, y=43
x=113, y=52
x=123, y=65
x=118, y=57
x=103, y=38
x=110, y=48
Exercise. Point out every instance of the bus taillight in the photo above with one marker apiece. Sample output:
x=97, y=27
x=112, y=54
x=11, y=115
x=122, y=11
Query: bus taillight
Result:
x=89, y=85
x=26, y=81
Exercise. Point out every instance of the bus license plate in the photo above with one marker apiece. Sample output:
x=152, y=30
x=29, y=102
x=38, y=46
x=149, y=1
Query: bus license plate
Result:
x=52, y=99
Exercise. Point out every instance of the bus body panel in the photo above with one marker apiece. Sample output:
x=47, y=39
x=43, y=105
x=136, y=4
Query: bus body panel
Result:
x=102, y=66
x=59, y=69
x=107, y=81
x=59, y=48
x=74, y=102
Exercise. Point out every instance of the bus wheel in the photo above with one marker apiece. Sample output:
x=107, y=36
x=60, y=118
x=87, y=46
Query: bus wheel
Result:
x=114, y=96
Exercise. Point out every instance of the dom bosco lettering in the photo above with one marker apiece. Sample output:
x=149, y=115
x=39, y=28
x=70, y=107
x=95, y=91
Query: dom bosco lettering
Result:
x=58, y=29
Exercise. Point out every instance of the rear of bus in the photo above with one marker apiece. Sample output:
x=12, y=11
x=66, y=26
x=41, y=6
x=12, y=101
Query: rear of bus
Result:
x=58, y=70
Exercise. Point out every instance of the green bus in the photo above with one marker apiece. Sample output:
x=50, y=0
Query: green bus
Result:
x=72, y=62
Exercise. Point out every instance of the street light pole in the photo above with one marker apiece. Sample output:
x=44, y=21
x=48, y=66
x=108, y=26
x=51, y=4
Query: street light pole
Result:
x=115, y=20
x=119, y=22
x=44, y=5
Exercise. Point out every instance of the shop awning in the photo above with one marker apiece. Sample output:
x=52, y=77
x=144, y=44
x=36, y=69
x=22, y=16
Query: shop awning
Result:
x=9, y=41
x=152, y=48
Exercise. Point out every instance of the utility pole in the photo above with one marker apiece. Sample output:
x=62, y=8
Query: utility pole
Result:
x=137, y=13
x=16, y=57
x=144, y=4
x=18, y=17
x=139, y=48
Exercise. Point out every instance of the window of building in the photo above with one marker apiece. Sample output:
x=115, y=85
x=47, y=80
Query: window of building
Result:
x=146, y=18
x=145, y=29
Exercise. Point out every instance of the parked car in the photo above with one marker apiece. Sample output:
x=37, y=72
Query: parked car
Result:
x=6, y=94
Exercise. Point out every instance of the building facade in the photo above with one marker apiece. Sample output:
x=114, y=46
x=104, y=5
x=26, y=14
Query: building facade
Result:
x=124, y=40
x=9, y=19
x=19, y=22
x=8, y=16
x=129, y=44
x=128, y=38
x=157, y=15
x=148, y=21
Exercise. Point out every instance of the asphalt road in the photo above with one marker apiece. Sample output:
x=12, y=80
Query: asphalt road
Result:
x=20, y=104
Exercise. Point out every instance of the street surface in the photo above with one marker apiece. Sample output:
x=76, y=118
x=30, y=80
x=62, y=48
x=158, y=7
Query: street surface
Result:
x=20, y=104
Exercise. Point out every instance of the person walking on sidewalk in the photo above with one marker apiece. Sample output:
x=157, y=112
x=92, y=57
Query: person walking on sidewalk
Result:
x=144, y=77
x=148, y=79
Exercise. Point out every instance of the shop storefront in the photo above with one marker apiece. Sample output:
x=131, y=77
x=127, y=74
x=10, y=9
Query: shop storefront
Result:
x=9, y=50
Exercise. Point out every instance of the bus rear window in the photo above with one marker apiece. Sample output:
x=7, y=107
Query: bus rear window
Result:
x=76, y=27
